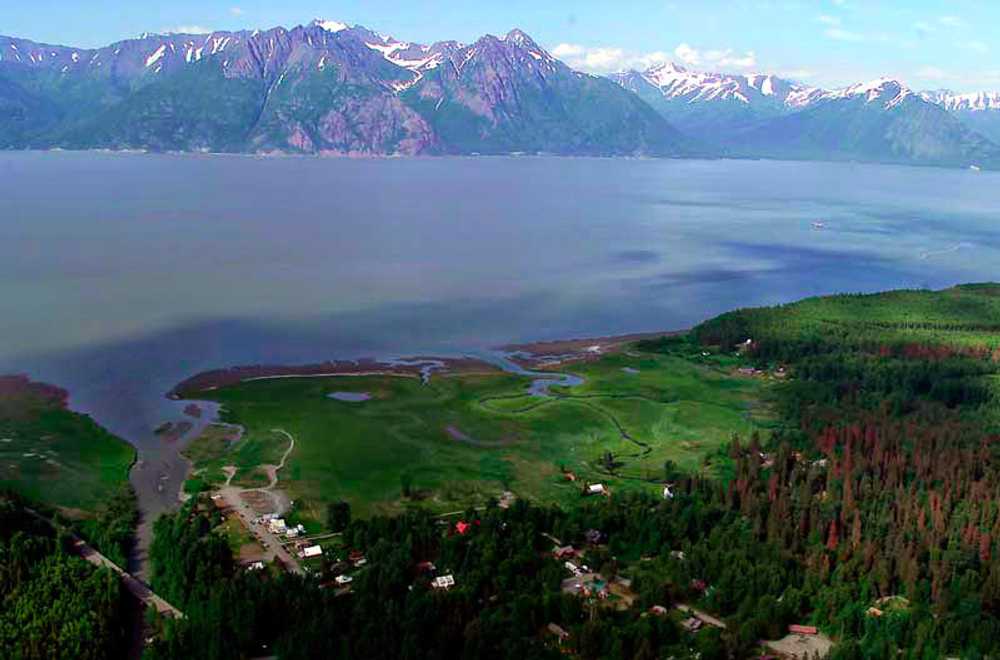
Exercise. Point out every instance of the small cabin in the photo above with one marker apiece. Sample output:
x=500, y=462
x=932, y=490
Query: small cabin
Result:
x=596, y=489
x=443, y=582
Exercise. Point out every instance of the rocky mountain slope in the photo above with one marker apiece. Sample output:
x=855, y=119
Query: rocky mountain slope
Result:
x=979, y=111
x=330, y=88
x=716, y=104
x=321, y=88
x=880, y=121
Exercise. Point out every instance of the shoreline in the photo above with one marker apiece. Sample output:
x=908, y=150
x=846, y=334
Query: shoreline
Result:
x=414, y=367
x=366, y=156
x=170, y=472
x=529, y=355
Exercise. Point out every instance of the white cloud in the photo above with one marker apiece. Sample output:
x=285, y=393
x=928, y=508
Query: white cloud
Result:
x=652, y=59
x=236, y=11
x=189, y=29
x=725, y=59
x=687, y=55
x=951, y=21
x=594, y=60
x=797, y=74
x=747, y=60
x=980, y=47
x=829, y=20
x=932, y=73
x=566, y=51
x=610, y=59
x=606, y=59
x=603, y=59
x=838, y=34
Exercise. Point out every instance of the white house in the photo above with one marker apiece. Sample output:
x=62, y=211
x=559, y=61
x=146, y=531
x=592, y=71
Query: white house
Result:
x=312, y=551
x=443, y=582
x=277, y=526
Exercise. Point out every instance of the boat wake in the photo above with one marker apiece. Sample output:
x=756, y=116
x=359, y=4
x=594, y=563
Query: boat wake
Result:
x=928, y=254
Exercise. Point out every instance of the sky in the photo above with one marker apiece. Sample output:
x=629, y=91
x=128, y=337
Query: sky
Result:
x=929, y=44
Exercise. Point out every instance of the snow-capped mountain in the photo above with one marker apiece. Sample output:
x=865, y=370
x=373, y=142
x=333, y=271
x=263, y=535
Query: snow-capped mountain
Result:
x=676, y=82
x=979, y=111
x=332, y=87
x=974, y=102
x=882, y=120
x=715, y=104
x=764, y=115
x=888, y=93
x=327, y=87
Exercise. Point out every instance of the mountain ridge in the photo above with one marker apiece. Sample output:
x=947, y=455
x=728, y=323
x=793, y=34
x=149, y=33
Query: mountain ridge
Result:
x=762, y=115
x=328, y=87
x=324, y=88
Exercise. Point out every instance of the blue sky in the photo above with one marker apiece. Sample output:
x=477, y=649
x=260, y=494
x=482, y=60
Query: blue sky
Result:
x=927, y=43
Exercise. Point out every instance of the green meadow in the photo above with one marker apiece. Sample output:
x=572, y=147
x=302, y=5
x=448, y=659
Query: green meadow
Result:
x=461, y=439
x=58, y=457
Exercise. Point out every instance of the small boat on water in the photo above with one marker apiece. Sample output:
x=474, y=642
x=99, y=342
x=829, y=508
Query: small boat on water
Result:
x=975, y=168
x=819, y=224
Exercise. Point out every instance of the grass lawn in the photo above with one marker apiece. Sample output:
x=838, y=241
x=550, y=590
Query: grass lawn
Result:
x=463, y=438
x=55, y=456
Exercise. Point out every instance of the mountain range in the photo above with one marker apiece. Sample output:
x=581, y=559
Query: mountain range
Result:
x=330, y=88
x=767, y=116
x=321, y=88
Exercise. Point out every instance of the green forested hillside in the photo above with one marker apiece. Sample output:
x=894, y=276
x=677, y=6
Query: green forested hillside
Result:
x=53, y=604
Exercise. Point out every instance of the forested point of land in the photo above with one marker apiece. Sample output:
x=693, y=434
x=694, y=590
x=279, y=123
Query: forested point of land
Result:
x=872, y=514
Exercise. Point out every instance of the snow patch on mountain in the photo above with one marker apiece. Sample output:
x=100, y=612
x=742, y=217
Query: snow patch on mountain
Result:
x=156, y=56
x=889, y=92
x=677, y=82
x=973, y=102
x=330, y=26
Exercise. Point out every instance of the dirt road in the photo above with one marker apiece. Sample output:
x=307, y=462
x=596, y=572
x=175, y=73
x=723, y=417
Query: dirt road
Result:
x=234, y=498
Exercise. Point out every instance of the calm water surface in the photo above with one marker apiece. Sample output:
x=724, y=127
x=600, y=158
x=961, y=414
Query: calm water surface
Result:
x=122, y=274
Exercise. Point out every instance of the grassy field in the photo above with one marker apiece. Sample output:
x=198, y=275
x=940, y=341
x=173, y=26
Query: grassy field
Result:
x=461, y=439
x=55, y=456
x=219, y=446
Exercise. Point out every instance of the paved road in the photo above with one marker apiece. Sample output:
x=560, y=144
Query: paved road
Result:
x=137, y=587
